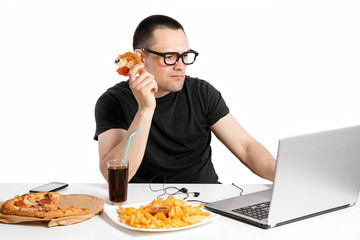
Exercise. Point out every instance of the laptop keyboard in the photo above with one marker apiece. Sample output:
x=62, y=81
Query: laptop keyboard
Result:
x=258, y=211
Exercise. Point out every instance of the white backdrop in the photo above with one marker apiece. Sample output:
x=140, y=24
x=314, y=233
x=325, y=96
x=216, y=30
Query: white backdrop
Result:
x=283, y=67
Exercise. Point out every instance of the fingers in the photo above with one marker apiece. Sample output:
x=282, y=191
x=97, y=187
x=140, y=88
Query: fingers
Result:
x=138, y=82
x=144, y=84
x=143, y=87
x=145, y=81
x=134, y=70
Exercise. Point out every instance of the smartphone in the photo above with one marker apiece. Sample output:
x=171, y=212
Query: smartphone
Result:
x=49, y=187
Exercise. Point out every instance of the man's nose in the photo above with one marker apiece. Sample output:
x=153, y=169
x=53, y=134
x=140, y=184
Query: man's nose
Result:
x=179, y=65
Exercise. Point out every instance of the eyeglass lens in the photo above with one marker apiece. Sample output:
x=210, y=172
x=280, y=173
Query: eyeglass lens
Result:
x=187, y=58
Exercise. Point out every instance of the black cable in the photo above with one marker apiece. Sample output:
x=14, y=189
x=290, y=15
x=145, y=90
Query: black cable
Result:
x=165, y=189
x=242, y=190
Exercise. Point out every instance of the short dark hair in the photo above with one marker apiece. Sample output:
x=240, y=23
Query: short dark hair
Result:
x=143, y=36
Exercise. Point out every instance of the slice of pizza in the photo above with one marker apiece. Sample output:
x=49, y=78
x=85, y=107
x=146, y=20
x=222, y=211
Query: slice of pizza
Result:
x=41, y=205
x=44, y=201
x=127, y=61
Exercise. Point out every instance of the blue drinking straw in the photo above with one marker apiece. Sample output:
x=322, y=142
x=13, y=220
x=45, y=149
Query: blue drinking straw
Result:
x=128, y=144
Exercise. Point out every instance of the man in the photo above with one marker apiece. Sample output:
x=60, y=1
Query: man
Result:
x=176, y=114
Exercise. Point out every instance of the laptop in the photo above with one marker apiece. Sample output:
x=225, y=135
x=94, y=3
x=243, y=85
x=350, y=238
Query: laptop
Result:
x=315, y=174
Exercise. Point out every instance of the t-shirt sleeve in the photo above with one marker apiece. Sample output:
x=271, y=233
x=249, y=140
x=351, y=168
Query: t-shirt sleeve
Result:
x=107, y=115
x=214, y=104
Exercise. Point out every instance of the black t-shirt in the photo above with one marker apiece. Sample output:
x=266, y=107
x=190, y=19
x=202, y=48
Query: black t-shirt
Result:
x=179, y=140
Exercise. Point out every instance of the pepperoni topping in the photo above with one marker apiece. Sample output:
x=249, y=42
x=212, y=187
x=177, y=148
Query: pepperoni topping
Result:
x=123, y=70
x=19, y=204
x=45, y=201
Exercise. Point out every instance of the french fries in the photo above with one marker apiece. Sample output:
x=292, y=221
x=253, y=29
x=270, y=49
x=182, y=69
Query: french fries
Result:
x=162, y=214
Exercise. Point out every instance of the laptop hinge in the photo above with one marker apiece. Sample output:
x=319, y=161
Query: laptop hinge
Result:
x=313, y=215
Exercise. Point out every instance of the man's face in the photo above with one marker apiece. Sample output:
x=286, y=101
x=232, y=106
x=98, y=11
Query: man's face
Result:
x=168, y=78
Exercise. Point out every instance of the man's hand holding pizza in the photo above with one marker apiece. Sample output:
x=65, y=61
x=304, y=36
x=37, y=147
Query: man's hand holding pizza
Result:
x=143, y=87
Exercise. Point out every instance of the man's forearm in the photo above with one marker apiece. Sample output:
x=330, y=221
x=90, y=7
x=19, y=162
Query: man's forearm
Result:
x=137, y=146
x=260, y=161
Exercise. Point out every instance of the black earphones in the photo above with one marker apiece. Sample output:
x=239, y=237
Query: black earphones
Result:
x=166, y=190
x=184, y=190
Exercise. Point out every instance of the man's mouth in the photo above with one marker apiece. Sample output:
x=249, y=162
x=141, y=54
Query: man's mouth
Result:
x=177, y=76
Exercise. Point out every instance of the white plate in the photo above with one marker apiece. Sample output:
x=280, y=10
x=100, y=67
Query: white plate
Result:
x=111, y=211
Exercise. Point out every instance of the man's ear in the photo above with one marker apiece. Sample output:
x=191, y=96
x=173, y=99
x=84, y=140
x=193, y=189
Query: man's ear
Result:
x=140, y=55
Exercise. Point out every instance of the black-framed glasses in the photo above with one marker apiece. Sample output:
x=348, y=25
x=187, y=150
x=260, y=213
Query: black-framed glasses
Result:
x=172, y=58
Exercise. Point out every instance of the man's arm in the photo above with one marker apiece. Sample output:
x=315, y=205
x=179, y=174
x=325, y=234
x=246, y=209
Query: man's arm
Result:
x=250, y=152
x=112, y=143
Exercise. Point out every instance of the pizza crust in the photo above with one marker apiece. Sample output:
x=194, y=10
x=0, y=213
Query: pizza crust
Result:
x=71, y=211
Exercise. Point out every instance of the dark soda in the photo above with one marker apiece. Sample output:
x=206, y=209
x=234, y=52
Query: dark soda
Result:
x=118, y=183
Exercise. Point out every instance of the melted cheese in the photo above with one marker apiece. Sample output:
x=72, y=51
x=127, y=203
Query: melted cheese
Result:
x=124, y=63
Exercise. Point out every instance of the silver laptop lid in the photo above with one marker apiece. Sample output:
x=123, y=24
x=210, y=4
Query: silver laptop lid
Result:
x=314, y=173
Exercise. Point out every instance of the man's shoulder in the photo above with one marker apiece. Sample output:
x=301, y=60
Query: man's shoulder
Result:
x=195, y=82
x=119, y=92
x=200, y=85
x=119, y=87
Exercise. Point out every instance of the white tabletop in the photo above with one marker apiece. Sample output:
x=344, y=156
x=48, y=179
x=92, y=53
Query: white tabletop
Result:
x=343, y=224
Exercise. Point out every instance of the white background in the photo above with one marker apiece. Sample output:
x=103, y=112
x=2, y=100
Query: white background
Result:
x=283, y=67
